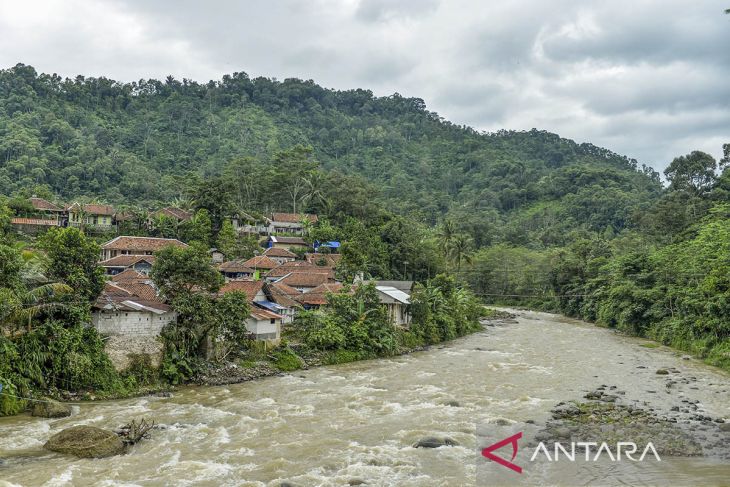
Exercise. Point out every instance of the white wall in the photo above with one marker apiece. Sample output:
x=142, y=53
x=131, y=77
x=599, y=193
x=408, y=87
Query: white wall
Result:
x=264, y=327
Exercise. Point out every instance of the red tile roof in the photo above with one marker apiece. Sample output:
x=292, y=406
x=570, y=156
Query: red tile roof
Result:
x=250, y=288
x=261, y=262
x=126, y=260
x=41, y=204
x=293, y=217
x=279, y=252
x=34, y=221
x=141, y=244
x=318, y=295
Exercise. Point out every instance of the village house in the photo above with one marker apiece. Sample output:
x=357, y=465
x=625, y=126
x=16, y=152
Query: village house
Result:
x=292, y=223
x=305, y=281
x=317, y=297
x=263, y=323
x=126, y=245
x=284, y=296
x=287, y=243
x=91, y=217
x=122, y=311
x=45, y=215
x=280, y=255
x=235, y=269
x=139, y=263
x=396, y=296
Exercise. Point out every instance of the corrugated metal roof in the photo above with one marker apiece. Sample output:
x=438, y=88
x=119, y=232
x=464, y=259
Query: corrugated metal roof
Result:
x=394, y=293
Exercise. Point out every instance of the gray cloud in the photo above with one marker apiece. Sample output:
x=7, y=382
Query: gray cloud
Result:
x=646, y=78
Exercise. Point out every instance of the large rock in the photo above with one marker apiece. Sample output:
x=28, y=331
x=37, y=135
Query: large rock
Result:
x=433, y=442
x=86, y=442
x=51, y=409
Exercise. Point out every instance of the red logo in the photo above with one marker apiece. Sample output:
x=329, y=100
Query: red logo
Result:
x=487, y=452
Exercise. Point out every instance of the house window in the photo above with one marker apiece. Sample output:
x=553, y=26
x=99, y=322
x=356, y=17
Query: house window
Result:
x=273, y=320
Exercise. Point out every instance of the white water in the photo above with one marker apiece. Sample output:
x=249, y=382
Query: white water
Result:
x=334, y=425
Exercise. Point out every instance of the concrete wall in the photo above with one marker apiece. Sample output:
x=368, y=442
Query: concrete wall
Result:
x=130, y=323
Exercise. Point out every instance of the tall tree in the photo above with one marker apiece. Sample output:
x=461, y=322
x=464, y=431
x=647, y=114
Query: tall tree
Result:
x=694, y=173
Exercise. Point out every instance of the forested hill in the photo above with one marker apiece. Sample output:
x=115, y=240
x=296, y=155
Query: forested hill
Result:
x=134, y=142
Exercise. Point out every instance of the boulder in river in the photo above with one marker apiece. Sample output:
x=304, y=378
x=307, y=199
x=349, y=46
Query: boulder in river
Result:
x=49, y=408
x=434, y=442
x=86, y=442
x=662, y=372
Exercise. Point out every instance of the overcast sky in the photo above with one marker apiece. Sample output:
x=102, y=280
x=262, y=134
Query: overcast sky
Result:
x=648, y=79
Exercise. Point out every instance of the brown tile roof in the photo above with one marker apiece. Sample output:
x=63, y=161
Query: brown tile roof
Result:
x=235, y=266
x=34, y=221
x=141, y=244
x=126, y=260
x=282, y=288
x=261, y=262
x=318, y=295
x=117, y=297
x=41, y=204
x=279, y=252
x=293, y=266
x=293, y=217
x=94, y=209
x=129, y=275
x=176, y=213
x=305, y=279
x=331, y=259
x=250, y=288
x=282, y=294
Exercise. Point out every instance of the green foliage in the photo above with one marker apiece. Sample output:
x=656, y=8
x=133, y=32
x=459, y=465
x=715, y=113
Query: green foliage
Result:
x=73, y=261
x=286, y=360
x=181, y=270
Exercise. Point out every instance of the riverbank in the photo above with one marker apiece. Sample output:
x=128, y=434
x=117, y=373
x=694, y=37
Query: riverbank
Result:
x=298, y=357
x=278, y=361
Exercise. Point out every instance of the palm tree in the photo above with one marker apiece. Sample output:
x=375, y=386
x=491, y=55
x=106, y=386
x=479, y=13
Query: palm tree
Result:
x=445, y=235
x=460, y=250
x=28, y=304
x=314, y=193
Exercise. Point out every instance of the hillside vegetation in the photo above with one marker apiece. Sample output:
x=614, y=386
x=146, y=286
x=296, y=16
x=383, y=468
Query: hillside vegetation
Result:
x=524, y=218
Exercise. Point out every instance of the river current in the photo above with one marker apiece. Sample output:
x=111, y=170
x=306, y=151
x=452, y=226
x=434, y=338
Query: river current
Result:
x=357, y=423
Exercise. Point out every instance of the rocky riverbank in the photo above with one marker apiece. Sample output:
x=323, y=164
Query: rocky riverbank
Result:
x=685, y=431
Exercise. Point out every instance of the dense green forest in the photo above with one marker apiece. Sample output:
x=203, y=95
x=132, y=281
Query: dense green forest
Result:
x=136, y=142
x=524, y=218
